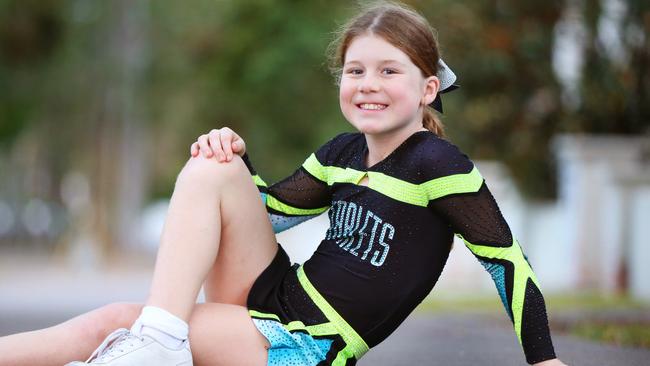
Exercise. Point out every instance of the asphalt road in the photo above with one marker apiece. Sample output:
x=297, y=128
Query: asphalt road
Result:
x=471, y=339
x=34, y=296
x=456, y=339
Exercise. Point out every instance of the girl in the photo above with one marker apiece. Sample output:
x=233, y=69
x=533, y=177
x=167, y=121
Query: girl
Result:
x=396, y=193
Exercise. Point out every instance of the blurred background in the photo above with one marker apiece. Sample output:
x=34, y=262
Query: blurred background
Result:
x=100, y=101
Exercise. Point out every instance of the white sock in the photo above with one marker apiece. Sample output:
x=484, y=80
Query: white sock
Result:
x=161, y=325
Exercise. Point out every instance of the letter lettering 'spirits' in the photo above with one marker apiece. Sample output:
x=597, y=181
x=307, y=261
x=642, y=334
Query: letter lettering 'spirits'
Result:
x=348, y=232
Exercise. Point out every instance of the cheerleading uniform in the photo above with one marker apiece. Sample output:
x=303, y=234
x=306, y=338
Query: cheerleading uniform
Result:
x=385, y=248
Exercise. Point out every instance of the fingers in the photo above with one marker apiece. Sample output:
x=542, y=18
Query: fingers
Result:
x=226, y=143
x=204, y=146
x=214, y=139
x=239, y=146
x=221, y=143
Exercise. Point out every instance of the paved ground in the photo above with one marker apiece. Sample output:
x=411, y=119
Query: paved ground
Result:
x=435, y=339
x=38, y=296
x=466, y=339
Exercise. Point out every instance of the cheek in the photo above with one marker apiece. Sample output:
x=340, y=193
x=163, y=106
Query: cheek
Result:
x=404, y=96
x=346, y=92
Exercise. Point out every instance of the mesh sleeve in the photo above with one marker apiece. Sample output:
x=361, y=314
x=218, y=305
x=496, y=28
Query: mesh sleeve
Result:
x=293, y=200
x=476, y=219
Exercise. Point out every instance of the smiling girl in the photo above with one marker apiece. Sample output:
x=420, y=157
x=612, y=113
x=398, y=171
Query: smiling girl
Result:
x=396, y=192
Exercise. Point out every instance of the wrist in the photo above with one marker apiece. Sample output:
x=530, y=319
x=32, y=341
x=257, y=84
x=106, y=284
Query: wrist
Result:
x=552, y=362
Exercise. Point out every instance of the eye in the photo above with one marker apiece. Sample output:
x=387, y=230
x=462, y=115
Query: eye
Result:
x=354, y=71
x=389, y=71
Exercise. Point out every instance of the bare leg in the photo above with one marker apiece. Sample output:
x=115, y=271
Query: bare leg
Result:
x=220, y=334
x=216, y=225
x=223, y=334
x=75, y=339
x=215, y=209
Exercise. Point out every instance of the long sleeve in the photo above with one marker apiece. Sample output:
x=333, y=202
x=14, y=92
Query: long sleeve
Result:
x=297, y=198
x=475, y=218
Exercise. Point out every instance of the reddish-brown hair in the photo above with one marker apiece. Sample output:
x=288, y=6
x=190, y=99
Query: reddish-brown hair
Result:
x=402, y=27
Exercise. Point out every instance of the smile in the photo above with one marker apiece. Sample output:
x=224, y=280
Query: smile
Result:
x=372, y=106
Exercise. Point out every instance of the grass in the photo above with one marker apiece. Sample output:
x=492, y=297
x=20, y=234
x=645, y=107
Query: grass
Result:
x=620, y=334
x=616, y=320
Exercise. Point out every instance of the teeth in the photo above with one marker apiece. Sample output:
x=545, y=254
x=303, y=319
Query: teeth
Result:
x=371, y=106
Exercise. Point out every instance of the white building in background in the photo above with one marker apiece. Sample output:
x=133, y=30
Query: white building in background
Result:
x=604, y=200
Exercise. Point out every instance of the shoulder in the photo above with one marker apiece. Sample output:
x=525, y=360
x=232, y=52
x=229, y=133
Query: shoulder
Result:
x=342, y=143
x=439, y=157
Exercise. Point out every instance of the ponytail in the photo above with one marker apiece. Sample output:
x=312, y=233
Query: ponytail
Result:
x=432, y=122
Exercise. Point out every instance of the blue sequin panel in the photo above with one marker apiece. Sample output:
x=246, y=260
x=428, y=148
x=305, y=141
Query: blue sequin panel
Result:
x=292, y=349
x=498, y=273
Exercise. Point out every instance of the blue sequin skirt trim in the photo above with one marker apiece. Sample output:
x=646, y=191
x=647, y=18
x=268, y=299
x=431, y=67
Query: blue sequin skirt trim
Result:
x=298, y=331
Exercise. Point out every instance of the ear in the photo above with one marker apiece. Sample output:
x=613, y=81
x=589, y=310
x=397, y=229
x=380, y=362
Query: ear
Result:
x=431, y=87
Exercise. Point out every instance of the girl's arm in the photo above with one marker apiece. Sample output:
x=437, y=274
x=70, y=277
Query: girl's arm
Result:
x=462, y=197
x=295, y=199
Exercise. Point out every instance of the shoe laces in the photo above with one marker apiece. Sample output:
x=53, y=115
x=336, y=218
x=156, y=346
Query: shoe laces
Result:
x=116, y=344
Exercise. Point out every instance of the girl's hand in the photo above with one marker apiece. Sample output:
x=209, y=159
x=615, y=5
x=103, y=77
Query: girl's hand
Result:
x=553, y=362
x=221, y=143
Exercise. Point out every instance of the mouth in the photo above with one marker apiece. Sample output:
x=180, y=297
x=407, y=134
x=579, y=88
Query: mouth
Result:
x=372, y=106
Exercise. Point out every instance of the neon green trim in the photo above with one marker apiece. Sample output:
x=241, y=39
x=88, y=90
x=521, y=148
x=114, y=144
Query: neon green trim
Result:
x=343, y=355
x=453, y=184
x=295, y=325
x=332, y=174
x=323, y=329
x=258, y=314
x=258, y=181
x=397, y=189
x=343, y=175
x=315, y=168
x=400, y=190
x=275, y=204
x=355, y=345
x=523, y=272
x=314, y=330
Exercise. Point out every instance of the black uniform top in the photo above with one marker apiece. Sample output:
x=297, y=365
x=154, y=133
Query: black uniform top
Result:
x=389, y=238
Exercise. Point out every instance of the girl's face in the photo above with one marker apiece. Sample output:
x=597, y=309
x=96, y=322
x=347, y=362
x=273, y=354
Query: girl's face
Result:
x=381, y=90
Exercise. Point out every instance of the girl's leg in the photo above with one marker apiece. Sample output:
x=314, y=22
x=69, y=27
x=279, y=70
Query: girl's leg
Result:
x=215, y=209
x=217, y=230
x=74, y=339
x=220, y=334
x=224, y=335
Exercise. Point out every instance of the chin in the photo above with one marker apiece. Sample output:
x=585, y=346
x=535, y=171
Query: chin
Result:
x=368, y=128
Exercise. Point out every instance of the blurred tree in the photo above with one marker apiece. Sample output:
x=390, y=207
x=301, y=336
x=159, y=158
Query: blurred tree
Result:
x=256, y=66
x=508, y=105
x=73, y=72
x=114, y=89
x=615, y=82
x=30, y=32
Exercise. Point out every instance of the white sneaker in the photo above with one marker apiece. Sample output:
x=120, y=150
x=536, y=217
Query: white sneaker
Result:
x=123, y=348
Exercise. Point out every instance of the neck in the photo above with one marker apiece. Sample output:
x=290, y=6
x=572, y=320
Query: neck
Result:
x=381, y=145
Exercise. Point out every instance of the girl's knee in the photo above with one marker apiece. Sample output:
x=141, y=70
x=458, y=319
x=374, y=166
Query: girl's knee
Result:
x=101, y=322
x=201, y=170
x=122, y=314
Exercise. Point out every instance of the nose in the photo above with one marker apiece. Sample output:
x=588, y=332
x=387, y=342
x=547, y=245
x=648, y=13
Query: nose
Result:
x=369, y=83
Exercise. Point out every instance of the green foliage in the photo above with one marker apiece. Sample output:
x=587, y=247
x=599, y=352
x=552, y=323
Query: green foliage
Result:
x=508, y=105
x=617, y=333
x=259, y=67
x=615, y=95
x=30, y=32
